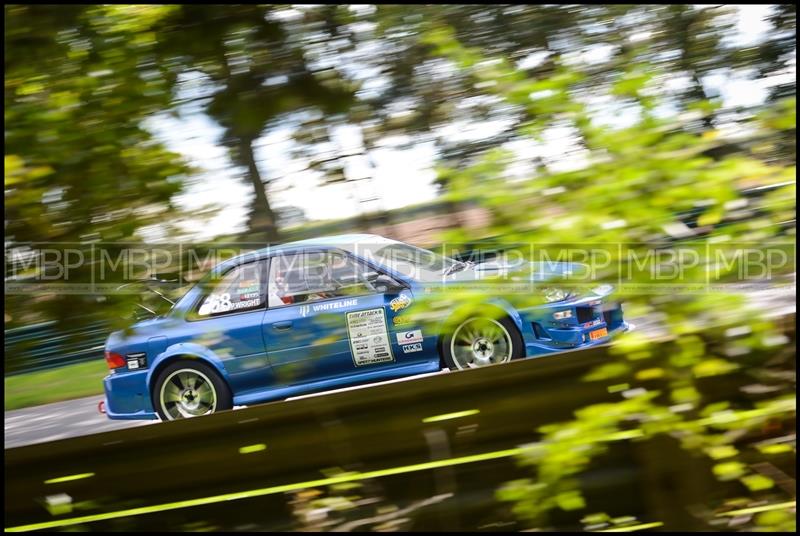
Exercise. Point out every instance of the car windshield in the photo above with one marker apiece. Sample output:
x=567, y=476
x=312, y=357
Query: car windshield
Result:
x=411, y=261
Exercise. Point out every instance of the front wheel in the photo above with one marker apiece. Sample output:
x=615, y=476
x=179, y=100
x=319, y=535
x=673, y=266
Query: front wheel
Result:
x=479, y=341
x=189, y=389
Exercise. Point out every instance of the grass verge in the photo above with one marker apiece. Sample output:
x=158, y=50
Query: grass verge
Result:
x=56, y=385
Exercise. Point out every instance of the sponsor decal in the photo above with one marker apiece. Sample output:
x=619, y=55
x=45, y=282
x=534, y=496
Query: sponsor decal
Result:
x=402, y=320
x=327, y=306
x=369, y=337
x=597, y=334
x=400, y=302
x=408, y=337
x=248, y=289
x=408, y=348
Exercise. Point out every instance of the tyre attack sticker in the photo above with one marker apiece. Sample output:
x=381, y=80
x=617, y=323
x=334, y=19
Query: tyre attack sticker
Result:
x=369, y=337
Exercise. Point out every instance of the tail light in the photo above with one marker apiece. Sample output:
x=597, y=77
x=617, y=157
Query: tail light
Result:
x=114, y=360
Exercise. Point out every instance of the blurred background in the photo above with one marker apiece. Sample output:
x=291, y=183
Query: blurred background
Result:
x=626, y=127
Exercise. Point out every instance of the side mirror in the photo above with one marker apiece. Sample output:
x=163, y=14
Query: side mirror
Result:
x=384, y=283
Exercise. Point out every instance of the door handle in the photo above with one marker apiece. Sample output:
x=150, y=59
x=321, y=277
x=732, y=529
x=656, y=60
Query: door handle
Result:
x=282, y=326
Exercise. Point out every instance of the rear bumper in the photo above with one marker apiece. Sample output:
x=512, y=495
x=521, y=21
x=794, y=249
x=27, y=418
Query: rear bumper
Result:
x=127, y=396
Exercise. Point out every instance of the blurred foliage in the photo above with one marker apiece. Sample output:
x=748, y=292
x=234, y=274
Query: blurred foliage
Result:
x=397, y=78
x=79, y=166
x=643, y=177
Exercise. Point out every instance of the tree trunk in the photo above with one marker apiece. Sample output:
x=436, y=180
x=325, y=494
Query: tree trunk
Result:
x=263, y=218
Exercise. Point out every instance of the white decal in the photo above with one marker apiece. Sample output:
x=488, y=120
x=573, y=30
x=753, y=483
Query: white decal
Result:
x=412, y=348
x=333, y=305
x=216, y=303
x=409, y=337
x=221, y=303
x=327, y=306
x=369, y=337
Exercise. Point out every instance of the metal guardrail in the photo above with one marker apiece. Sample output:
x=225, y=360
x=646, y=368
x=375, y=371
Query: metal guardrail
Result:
x=456, y=436
x=44, y=346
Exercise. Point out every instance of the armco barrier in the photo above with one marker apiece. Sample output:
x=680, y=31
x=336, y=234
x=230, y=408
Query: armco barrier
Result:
x=454, y=437
x=45, y=346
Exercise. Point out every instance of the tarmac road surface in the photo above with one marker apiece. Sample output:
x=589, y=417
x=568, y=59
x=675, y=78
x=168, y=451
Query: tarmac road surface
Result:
x=61, y=420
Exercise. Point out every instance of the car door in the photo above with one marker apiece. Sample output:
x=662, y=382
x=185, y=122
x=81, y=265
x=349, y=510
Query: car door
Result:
x=326, y=320
x=227, y=320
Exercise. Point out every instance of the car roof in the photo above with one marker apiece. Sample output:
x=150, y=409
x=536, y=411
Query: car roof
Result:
x=331, y=240
x=335, y=240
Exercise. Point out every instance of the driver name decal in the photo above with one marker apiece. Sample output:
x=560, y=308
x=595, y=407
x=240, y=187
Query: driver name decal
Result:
x=221, y=303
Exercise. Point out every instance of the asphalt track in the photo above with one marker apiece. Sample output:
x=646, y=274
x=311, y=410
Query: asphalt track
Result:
x=61, y=420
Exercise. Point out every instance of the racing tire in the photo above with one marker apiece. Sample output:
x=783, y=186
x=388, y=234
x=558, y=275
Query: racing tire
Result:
x=480, y=340
x=187, y=389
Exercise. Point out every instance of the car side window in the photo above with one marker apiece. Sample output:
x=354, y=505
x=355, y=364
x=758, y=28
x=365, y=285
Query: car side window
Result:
x=239, y=290
x=313, y=276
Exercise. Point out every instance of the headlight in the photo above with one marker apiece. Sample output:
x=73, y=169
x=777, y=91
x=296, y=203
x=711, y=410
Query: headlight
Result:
x=554, y=294
x=561, y=315
x=603, y=290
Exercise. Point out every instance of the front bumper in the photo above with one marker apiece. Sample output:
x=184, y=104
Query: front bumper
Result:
x=545, y=334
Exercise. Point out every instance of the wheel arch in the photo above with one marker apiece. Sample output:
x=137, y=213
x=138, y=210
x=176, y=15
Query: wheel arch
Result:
x=497, y=306
x=185, y=352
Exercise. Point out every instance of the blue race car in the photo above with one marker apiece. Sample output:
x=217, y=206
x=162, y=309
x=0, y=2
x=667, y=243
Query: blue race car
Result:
x=326, y=313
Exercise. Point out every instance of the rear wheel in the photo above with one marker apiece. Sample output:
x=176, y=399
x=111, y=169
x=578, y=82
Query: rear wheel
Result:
x=189, y=389
x=479, y=341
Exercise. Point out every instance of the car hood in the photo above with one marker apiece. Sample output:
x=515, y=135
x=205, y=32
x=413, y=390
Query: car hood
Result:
x=535, y=271
x=570, y=277
x=519, y=271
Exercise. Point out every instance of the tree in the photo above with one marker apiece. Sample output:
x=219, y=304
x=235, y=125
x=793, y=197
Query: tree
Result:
x=255, y=64
x=626, y=199
x=79, y=166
